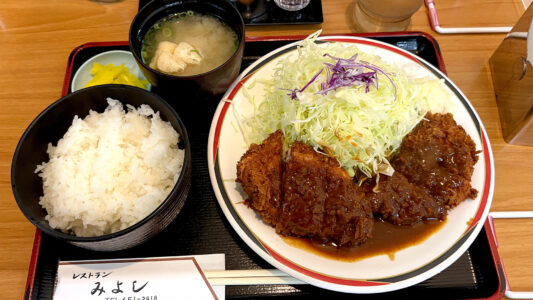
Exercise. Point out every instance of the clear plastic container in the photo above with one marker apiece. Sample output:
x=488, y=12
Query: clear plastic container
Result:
x=384, y=15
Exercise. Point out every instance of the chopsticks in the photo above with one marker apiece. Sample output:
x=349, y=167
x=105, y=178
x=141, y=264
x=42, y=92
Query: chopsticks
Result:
x=250, y=277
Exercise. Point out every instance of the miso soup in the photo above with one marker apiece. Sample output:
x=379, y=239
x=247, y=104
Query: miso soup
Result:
x=188, y=43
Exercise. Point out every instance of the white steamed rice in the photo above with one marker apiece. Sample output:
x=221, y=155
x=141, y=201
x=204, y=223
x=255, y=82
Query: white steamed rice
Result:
x=110, y=170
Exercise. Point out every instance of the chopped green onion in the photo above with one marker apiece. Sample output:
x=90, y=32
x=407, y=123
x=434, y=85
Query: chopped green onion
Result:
x=167, y=32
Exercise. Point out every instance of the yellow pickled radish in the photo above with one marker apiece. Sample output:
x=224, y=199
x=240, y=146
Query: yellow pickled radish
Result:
x=106, y=74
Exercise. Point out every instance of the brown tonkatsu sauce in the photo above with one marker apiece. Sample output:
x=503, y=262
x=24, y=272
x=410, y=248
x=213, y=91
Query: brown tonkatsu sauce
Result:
x=387, y=239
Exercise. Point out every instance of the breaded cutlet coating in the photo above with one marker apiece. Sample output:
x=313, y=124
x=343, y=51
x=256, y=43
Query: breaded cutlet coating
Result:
x=260, y=173
x=439, y=156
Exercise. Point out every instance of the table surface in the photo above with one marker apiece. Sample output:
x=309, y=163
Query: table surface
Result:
x=37, y=37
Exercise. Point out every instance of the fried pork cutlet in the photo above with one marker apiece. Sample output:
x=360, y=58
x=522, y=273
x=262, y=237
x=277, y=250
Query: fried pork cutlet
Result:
x=310, y=195
x=400, y=202
x=260, y=172
x=439, y=157
x=321, y=201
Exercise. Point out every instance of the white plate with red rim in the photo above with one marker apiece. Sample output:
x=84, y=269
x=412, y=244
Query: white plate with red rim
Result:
x=369, y=275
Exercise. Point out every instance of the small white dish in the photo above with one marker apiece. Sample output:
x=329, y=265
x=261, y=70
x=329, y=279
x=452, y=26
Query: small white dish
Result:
x=115, y=57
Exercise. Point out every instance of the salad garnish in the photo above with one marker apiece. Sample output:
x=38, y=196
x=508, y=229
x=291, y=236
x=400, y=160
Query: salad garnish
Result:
x=357, y=111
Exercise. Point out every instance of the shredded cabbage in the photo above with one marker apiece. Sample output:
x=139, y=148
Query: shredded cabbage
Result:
x=361, y=125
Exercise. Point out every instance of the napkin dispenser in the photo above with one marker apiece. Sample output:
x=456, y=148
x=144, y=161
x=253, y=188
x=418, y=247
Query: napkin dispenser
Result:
x=512, y=75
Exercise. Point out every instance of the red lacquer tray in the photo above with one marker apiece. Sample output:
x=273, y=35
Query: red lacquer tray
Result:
x=201, y=227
